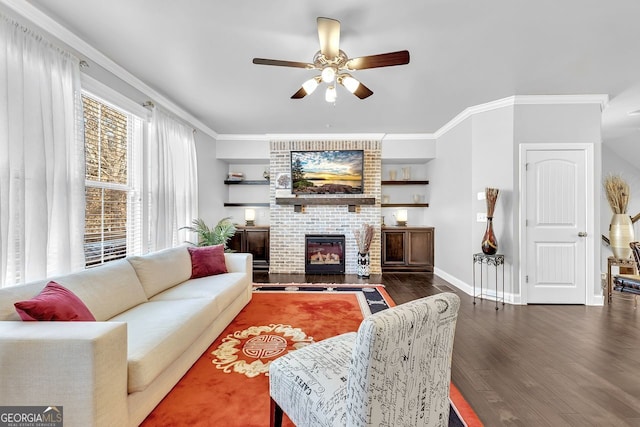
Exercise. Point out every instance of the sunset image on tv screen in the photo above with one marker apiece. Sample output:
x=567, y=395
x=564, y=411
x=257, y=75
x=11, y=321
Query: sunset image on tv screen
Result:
x=327, y=172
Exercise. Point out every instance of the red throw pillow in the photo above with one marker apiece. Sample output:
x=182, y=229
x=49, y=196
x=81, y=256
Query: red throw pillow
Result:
x=207, y=261
x=54, y=302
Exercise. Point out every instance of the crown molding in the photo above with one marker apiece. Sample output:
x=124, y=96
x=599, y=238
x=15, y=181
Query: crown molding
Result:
x=325, y=137
x=44, y=22
x=511, y=101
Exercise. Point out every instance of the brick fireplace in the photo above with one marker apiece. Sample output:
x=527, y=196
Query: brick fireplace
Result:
x=289, y=228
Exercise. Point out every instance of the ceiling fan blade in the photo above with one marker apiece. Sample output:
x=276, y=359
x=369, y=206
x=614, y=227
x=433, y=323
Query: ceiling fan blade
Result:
x=301, y=93
x=400, y=57
x=355, y=86
x=363, y=92
x=279, y=63
x=329, y=35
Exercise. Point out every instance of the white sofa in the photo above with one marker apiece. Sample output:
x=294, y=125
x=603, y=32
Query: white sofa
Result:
x=153, y=322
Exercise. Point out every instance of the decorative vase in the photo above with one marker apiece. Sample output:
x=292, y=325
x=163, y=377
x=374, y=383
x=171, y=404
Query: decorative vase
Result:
x=489, y=241
x=620, y=235
x=364, y=265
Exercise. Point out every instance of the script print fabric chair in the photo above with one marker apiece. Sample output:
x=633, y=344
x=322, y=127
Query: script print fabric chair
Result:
x=395, y=371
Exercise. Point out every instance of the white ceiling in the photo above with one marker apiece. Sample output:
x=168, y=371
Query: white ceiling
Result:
x=198, y=54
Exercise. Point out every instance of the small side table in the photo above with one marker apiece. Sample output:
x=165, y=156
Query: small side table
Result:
x=495, y=261
x=620, y=262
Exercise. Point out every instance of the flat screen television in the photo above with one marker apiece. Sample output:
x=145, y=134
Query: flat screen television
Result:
x=327, y=172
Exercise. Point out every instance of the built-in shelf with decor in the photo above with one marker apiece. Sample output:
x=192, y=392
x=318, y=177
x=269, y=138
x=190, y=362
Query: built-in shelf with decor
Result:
x=418, y=201
x=251, y=195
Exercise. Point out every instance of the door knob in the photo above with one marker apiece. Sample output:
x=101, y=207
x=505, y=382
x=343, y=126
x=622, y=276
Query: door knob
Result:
x=582, y=234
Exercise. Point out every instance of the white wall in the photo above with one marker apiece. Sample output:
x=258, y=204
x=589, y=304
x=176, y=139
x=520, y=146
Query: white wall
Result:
x=242, y=149
x=398, y=149
x=450, y=205
x=493, y=165
x=211, y=174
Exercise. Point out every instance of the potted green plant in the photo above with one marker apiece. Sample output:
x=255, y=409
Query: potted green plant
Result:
x=218, y=235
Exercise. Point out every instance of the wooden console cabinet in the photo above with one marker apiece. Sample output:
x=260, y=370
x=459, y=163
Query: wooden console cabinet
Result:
x=253, y=240
x=407, y=248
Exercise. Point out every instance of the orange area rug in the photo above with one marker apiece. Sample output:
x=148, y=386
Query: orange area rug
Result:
x=228, y=386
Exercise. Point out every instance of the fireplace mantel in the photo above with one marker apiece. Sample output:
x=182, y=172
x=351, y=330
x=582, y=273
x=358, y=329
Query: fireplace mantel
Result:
x=351, y=202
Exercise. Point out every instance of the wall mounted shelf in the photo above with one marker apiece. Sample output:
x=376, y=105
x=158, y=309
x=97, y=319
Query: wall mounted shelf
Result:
x=246, y=182
x=405, y=205
x=404, y=182
x=236, y=205
x=298, y=202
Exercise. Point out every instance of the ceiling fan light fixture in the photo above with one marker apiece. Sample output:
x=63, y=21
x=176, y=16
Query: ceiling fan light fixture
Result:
x=334, y=65
x=328, y=74
x=331, y=94
x=310, y=85
x=350, y=83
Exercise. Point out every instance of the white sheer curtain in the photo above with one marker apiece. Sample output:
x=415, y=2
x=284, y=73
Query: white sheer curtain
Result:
x=173, y=181
x=41, y=158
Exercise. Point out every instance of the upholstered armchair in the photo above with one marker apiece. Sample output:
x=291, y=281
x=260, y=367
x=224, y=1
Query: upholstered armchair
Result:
x=395, y=371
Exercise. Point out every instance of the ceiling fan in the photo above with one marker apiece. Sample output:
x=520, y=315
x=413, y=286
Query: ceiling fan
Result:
x=334, y=65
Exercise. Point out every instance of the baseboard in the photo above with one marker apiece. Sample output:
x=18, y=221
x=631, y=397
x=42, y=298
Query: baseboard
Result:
x=464, y=287
x=490, y=294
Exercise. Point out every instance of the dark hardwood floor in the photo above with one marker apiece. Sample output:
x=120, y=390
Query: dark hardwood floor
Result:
x=535, y=365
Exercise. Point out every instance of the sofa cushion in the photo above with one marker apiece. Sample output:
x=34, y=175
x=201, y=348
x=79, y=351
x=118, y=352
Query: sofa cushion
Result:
x=158, y=332
x=223, y=288
x=207, y=261
x=54, y=302
x=11, y=294
x=161, y=270
x=107, y=290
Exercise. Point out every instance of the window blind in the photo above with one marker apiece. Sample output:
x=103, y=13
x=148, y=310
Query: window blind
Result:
x=113, y=198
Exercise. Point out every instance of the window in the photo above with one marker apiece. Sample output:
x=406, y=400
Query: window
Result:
x=113, y=197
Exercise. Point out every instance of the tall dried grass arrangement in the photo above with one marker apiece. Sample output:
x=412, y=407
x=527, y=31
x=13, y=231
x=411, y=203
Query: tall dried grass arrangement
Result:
x=617, y=191
x=364, y=236
x=491, y=194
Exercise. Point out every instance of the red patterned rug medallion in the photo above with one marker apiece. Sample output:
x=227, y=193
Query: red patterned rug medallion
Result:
x=229, y=385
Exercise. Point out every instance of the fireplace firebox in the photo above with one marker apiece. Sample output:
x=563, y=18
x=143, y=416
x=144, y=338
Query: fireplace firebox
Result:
x=324, y=253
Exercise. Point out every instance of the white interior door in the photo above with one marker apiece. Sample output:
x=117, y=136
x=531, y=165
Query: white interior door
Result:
x=556, y=225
